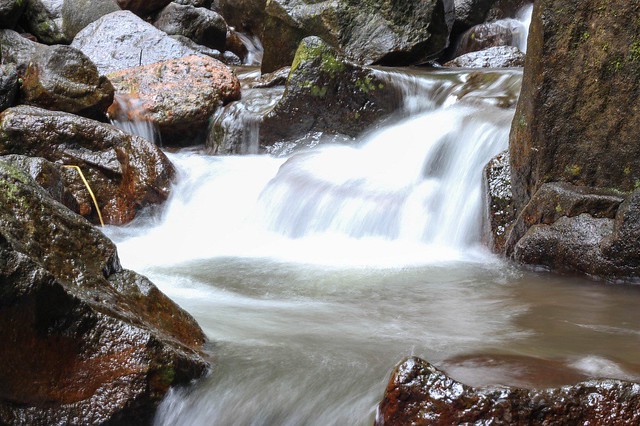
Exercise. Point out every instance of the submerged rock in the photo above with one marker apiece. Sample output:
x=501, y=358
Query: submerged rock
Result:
x=43, y=19
x=63, y=78
x=420, y=394
x=125, y=172
x=178, y=95
x=493, y=57
x=201, y=25
x=86, y=342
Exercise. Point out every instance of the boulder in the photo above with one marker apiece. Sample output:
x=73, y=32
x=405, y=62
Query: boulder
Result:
x=493, y=57
x=320, y=77
x=77, y=14
x=370, y=32
x=201, y=25
x=470, y=13
x=503, y=9
x=122, y=40
x=8, y=85
x=178, y=95
x=499, y=212
x=16, y=49
x=195, y=3
x=244, y=15
x=62, y=78
x=420, y=394
x=126, y=173
x=87, y=341
x=143, y=8
x=10, y=12
x=43, y=19
x=492, y=34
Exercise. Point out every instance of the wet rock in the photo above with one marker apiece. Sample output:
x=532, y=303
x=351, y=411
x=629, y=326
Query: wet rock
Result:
x=498, y=201
x=143, y=8
x=470, y=13
x=43, y=19
x=493, y=57
x=623, y=246
x=244, y=15
x=16, y=49
x=500, y=33
x=63, y=78
x=8, y=85
x=201, y=25
x=178, y=95
x=126, y=173
x=122, y=40
x=374, y=31
x=89, y=342
x=320, y=77
x=420, y=394
x=77, y=14
x=10, y=12
x=503, y=9
x=195, y=3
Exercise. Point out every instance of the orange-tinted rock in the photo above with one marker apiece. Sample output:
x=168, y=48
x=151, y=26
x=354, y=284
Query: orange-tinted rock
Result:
x=178, y=95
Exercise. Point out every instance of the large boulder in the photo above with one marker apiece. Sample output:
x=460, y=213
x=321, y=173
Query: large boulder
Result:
x=201, y=25
x=504, y=32
x=16, y=49
x=10, y=12
x=326, y=93
x=8, y=85
x=143, y=8
x=420, y=394
x=122, y=40
x=126, y=173
x=369, y=32
x=43, y=19
x=77, y=14
x=470, y=13
x=63, y=78
x=178, y=95
x=86, y=342
x=493, y=57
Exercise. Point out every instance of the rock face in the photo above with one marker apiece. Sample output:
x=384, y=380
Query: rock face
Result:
x=201, y=25
x=87, y=341
x=493, y=57
x=576, y=122
x=178, y=95
x=373, y=31
x=63, y=78
x=10, y=12
x=77, y=14
x=419, y=394
x=125, y=172
x=319, y=77
x=43, y=18
x=121, y=40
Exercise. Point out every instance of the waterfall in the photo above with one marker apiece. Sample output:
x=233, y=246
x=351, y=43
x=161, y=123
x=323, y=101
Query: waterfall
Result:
x=524, y=17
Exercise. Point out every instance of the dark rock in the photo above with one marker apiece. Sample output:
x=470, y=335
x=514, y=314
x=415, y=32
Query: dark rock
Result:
x=178, y=95
x=493, y=57
x=623, y=246
x=195, y=3
x=470, y=13
x=125, y=172
x=77, y=14
x=122, y=40
x=244, y=15
x=143, y=8
x=63, y=78
x=201, y=25
x=373, y=31
x=87, y=342
x=493, y=34
x=16, y=49
x=319, y=77
x=8, y=85
x=503, y=9
x=276, y=78
x=420, y=394
x=10, y=12
x=496, y=181
x=43, y=19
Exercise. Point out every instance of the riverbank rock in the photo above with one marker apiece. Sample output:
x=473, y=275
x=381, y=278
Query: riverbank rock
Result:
x=121, y=40
x=126, y=173
x=86, y=342
x=178, y=95
x=10, y=12
x=370, y=32
x=493, y=57
x=8, y=86
x=326, y=93
x=420, y=394
x=587, y=136
x=62, y=78
x=77, y=14
x=201, y=25
x=43, y=19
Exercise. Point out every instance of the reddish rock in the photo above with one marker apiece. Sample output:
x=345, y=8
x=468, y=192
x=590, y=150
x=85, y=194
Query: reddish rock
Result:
x=178, y=95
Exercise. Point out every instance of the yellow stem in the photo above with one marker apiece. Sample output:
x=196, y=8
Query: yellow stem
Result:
x=93, y=197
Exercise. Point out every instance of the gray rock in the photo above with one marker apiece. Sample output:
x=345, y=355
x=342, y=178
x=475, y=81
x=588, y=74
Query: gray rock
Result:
x=492, y=34
x=77, y=14
x=471, y=12
x=493, y=57
x=244, y=15
x=496, y=182
x=122, y=40
x=10, y=12
x=201, y=25
x=43, y=19
x=16, y=49
x=8, y=85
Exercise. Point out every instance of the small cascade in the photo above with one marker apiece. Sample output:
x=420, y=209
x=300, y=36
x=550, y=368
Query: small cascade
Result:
x=128, y=114
x=524, y=17
x=255, y=51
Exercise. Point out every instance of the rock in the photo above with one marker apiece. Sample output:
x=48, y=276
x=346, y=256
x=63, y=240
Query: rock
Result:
x=493, y=57
x=470, y=13
x=121, y=40
x=16, y=49
x=125, y=172
x=10, y=12
x=143, y=8
x=62, y=78
x=8, y=85
x=246, y=16
x=496, y=182
x=492, y=34
x=77, y=14
x=420, y=394
x=201, y=25
x=43, y=19
x=373, y=31
x=88, y=342
x=178, y=95
x=503, y=9
x=623, y=247
x=195, y=3
x=320, y=77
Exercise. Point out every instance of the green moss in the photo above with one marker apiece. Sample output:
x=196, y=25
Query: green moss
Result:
x=559, y=208
x=329, y=60
x=319, y=92
x=627, y=170
x=573, y=170
x=634, y=51
x=585, y=36
x=366, y=85
x=636, y=184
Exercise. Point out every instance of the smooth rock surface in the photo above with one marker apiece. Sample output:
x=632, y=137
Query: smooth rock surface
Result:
x=16, y=49
x=201, y=25
x=77, y=14
x=493, y=57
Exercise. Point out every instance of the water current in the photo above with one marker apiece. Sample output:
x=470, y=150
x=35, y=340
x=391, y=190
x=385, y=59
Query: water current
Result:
x=315, y=271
